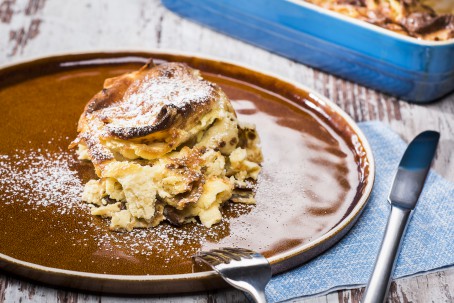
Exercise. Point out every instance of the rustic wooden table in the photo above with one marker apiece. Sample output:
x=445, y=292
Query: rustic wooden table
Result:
x=31, y=28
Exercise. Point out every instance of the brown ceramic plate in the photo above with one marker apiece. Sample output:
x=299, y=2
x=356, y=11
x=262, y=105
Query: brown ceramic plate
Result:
x=317, y=176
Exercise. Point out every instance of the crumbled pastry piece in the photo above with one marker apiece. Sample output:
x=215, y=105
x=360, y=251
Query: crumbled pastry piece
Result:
x=414, y=18
x=166, y=145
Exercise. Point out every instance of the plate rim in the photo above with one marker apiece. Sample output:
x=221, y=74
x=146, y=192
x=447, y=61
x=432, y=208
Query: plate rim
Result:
x=344, y=223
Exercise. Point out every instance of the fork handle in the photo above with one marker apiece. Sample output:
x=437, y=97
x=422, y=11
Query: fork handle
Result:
x=257, y=294
x=255, y=291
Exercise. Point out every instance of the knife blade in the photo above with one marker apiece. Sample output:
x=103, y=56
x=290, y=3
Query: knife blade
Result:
x=407, y=186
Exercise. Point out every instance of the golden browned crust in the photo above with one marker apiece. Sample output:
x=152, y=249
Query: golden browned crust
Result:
x=156, y=104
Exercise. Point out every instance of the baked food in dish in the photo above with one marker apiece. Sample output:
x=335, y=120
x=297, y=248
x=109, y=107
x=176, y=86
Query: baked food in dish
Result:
x=414, y=18
x=440, y=6
x=166, y=145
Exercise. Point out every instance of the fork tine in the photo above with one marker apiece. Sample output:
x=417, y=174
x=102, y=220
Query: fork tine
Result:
x=222, y=258
x=208, y=259
x=242, y=252
x=239, y=249
x=227, y=253
x=219, y=255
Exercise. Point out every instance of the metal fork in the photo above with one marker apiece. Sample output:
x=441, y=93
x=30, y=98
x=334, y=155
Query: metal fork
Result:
x=242, y=268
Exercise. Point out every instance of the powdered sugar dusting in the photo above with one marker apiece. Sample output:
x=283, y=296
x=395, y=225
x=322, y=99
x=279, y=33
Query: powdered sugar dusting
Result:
x=166, y=84
x=40, y=178
x=164, y=241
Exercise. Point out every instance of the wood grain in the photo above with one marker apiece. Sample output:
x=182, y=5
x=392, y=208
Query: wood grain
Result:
x=32, y=28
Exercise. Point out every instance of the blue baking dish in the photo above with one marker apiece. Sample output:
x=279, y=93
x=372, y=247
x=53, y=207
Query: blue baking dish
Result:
x=411, y=69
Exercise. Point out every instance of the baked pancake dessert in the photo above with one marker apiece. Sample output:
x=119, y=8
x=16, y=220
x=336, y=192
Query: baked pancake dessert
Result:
x=423, y=19
x=166, y=145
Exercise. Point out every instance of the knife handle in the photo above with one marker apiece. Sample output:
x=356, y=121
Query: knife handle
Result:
x=378, y=286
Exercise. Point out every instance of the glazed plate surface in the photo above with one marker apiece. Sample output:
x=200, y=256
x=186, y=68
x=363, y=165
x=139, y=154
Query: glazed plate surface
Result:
x=317, y=176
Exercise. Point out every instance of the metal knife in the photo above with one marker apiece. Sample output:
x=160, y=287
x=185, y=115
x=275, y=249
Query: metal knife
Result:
x=405, y=191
